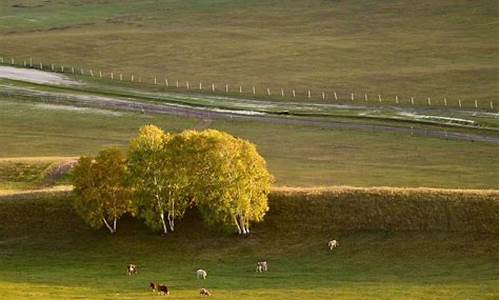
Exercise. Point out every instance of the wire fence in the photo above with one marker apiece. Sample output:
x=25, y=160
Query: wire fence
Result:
x=253, y=91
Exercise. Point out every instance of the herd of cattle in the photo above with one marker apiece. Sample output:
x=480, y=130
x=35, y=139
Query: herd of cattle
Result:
x=202, y=274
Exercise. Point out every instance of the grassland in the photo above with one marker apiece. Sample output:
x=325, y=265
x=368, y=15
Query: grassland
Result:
x=296, y=155
x=368, y=265
x=422, y=49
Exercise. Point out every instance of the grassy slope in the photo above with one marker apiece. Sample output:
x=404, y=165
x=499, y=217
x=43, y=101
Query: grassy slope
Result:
x=367, y=265
x=297, y=156
x=442, y=48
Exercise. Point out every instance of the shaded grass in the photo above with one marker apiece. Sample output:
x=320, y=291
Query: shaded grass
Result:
x=91, y=264
x=423, y=49
x=296, y=155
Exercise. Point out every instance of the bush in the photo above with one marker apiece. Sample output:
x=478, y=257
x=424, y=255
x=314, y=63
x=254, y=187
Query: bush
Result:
x=392, y=209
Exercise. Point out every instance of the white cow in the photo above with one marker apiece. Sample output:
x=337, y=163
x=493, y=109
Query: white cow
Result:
x=333, y=244
x=262, y=266
x=201, y=274
x=131, y=269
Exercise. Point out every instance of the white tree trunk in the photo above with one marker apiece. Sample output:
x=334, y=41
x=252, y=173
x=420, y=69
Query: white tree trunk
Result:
x=171, y=222
x=114, y=225
x=165, y=230
x=237, y=225
x=108, y=226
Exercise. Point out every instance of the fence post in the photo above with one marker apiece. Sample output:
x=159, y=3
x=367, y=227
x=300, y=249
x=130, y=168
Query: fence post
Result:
x=397, y=100
x=309, y=94
x=323, y=95
x=241, y=89
x=445, y=102
x=201, y=87
x=366, y=97
x=24, y=64
x=379, y=98
x=475, y=103
x=459, y=103
x=213, y=87
x=268, y=92
x=91, y=73
x=428, y=100
x=1, y=59
x=52, y=67
x=81, y=71
x=62, y=68
x=187, y=85
x=166, y=82
x=352, y=96
x=293, y=93
x=31, y=62
x=12, y=61
x=41, y=66
x=335, y=95
x=491, y=105
x=177, y=84
x=155, y=81
x=227, y=88
x=73, y=71
x=100, y=74
x=121, y=77
x=111, y=75
x=282, y=93
x=412, y=101
x=253, y=90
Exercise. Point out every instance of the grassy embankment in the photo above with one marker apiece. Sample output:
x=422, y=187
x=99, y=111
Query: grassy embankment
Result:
x=422, y=49
x=47, y=252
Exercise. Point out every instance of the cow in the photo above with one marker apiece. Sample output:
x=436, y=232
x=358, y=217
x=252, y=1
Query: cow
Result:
x=131, y=269
x=163, y=289
x=201, y=274
x=262, y=266
x=153, y=286
x=205, y=292
x=333, y=244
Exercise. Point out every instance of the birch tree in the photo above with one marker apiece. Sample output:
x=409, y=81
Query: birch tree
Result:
x=101, y=192
x=232, y=181
x=147, y=172
x=159, y=170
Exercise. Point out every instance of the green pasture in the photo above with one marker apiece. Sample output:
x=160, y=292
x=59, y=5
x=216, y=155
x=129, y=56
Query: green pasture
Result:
x=48, y=253
x=403, y=48
x=296, y=155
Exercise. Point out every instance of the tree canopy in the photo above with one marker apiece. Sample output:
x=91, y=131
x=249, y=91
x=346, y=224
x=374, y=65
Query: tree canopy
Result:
x=224, y=176
x=101, y=192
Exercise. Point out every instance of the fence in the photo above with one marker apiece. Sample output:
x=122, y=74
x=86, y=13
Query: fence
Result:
x=256, y=92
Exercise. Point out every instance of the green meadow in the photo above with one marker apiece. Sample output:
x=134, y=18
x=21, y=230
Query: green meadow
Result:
x=400, y=48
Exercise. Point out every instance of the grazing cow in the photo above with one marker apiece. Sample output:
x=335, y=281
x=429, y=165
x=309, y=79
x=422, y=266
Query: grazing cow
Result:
x=163, y=289
x=131, y=269
x=262, y=266
x=205, y=292
x=201, y=274
x=153, y=286
x=333, y=244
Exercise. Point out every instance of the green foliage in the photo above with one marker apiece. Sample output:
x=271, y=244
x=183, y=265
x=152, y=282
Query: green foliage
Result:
x=224, y=175
x=236, y=178
x=102, y=195
x=148, y=172
x=391, y=209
